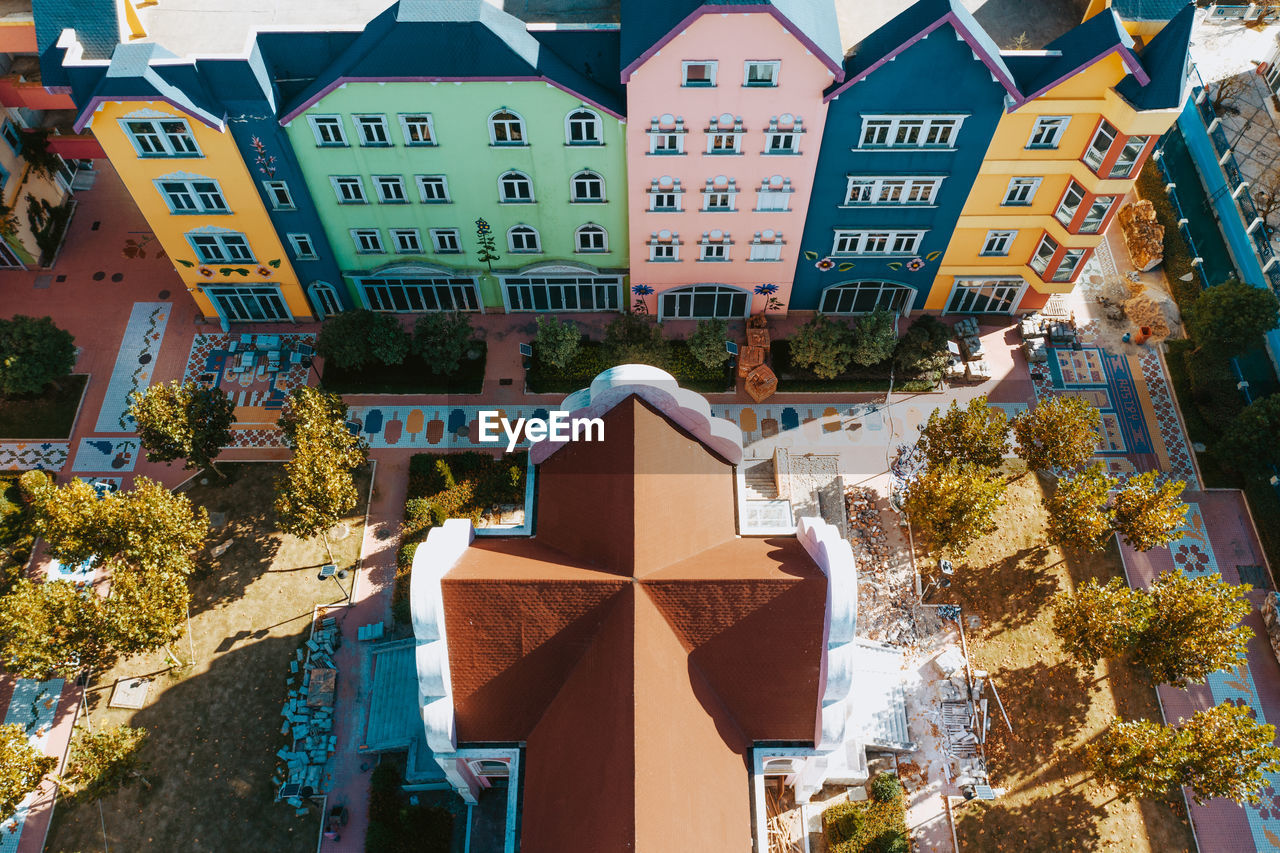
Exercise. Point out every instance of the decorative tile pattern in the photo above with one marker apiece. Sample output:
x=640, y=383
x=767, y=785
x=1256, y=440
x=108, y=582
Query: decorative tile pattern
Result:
x=32, y=455
x=1191, y=549
x=135, y=362
x=1175, y=440
x=106, y=454
x=32, y=706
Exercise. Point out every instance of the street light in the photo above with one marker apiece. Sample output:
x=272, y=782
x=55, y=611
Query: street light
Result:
x=329, y=570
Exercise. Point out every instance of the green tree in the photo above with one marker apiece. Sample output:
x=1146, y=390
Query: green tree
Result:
x=707, y=343
x=635, y=339
x=1079, y=514
x=1098, y=621
x=874, y=337
x=22, y=766
x=51, y=628
x=1254, y=436
x=923, y=349
x=822, y=345
x=1231, y=317
x=184, y=421
x=352, y=339
x=1191, y=630
x=146, y=610
x=1147, y=513
x=978, y=433
x=442, y=340
x=104, y=761
x=318, y=488
x=557, y=343
x=1136, y=757
x=953, y=503
x=1059, y=432
x=33, y=353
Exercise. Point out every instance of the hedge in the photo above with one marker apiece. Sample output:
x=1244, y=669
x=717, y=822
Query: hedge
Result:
x=856, y=378
x=591, y=361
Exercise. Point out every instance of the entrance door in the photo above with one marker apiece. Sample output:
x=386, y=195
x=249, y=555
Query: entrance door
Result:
x=250, y=304
x=324, y=299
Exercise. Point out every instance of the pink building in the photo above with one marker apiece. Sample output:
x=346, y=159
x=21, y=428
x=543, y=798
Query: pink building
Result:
x=725, y=119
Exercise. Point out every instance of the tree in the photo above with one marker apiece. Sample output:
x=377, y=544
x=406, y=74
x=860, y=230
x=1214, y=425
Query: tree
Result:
x=953, y=503
x=1147, y=514
x=1229, y=318
x=1136, y=757
x=1255, y=434
x=146, y=610
x=874, y=337
x=635, y=339
x=822, y=345
x=184, y=421
x=707, y=343
x=557, y=342
x=104, y=761
x=1266, y=193
x=352, y=339
x=1228, y=90
x=1079, y=515
x=50, y=628
x=1098, y=621
x=318, y=488
x=977, y=433
x=1191, y=629
x=22, y=766
x=1059, y=432
x=923, y=349
x=442, y=340
x=33, y=353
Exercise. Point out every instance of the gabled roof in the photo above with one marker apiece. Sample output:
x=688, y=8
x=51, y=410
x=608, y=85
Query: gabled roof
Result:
x=134, y=74
x=648, y=25
x=1165, y=61
x=421, y=40
x=1072, y=52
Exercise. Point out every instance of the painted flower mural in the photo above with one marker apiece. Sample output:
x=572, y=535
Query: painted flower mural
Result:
x=642, y=290
x=205, y=271
x=766, y=289
x=825, y=264
x=915, y=264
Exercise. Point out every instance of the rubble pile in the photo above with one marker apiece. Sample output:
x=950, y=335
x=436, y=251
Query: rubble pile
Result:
x=866, y=529
x=1143, y=235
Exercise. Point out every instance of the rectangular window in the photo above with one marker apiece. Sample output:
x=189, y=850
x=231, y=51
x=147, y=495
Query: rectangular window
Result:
x=303, y=249
x=278, y=195
x=998, y=242
x=368, y=240
x=327, y=130
x=1071, y=260
x=666, y=143
x=221, y=248
x=669, y=251
x=1044, y=254
x=759, y=73
x=762, y=250
x=349, y=189
x=984, y=296
x=373, y=130
x=1097, y=214
x=665, y=201
x=784, y=142
x=877, y=242
x=11, y=136
x=907, y=131
x=390, y=189
x=433, y=189
x=1021, y=191
x=417, y=129
x=878, y=190
x=1103, y=139
x=1070, y=204
x=699, y=73
x=774, y=196
x=408, y=241
x=717, y=201
x=713, y=252
x=1128, y=157
x=416, y=295
x=162, y=138
x=1047, y=131
x=723, y=143
x=446, y=241
x=193, y=196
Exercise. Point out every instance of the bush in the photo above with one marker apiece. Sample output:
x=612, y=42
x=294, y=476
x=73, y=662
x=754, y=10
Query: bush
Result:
x=33, y=353
x=874, y=337
x=822, y=345
x=442, y=340
x=557, y=343
x=707, y=343
x=634, y=339
x=886, y=787
x=353, y=339
x=923, y=349
x=872, y=826
x=1231, y=317
x=1213, y=389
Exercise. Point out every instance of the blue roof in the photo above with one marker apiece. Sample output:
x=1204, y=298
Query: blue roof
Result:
x=1071, y=51
x=93, y=20
x=1148, y=10
x=295, y=60
x=134, y=76
x=1165, y=61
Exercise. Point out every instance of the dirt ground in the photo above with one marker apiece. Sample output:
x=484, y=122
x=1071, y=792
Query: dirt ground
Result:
x=215, y=726
x=1051, y=802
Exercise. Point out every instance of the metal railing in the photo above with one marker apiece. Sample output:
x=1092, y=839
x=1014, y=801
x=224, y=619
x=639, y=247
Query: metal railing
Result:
x=1247, y=12
x=1182, y=217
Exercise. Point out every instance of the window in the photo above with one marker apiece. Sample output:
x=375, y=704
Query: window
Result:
x=1021, y=191
x=303, y=248
x=998, y=242
x=877, y=242
x=261, y=304
x=162, y=138
x=774, y=194
x=1103, y=138
x=349, y=189
x=506, y=128
x=698, y=73
x=523, y=238
x=1044, y=255
x=515, y=188
x=1069, y=265
x=666, y=135
x=908, y=131
x=278, y=195
x=759, y=73
x=724, y=135
x=563, y=293
x=879, y=190
x=583, y=128
x=1097, y=214
x=368, y=241
x=372, y=130
x=1070, y=204
x=978, y=296
x=709, y=301
x=664, y=195
x=591, y=238
x=324, y=297
x=390, y=189
x=418, y=294
x=1047, y=131
x=223, y=247
x=783, y=142
x=718, y=194
x=433, y=189
x=664, y=246
x=714, y=246
x=327, y=130
x=1128, y=157
x=10, y=133
x=408, y=241
x=766, y=246
x=417, y=129
x=193, y=196
x=446, y=241
x=586, y=187
x=863, y=297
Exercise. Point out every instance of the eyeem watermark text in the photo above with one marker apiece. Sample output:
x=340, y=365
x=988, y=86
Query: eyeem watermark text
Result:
x=559, y=427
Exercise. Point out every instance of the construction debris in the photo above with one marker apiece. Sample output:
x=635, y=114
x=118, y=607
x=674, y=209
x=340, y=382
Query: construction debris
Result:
x=1143, y=235
x=308, y=717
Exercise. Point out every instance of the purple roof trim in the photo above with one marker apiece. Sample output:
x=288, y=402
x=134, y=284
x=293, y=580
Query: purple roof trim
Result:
x=342, y=81
x=1127, y=56
x=86, y=115
x=836, y=68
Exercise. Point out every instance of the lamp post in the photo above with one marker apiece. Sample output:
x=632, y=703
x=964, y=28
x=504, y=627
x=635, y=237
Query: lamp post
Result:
x=329, y=570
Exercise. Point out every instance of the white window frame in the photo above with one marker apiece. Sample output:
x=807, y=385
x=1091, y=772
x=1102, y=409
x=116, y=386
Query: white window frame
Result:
x=1123, y=168
x=997, y=243
x=656, y=136
x=365, y=122
x=1094, y=157
x=720, y=189
x=440, y=181
x=590, y=229
x=779, y=193
x=1094, y=226
x=1040, y=259
x=596, y=123
x=332, y=123
x=674, y=190
x=880, y=190
x=658, y=244
x=177, y=142
x=278, y=195
x=1072, y=185
x=766, y=247
x=340, y=181
x=303, y=247
x=516, y=121
x=1049, y=130
x=398, y=195
x=587, y=175
x=1062, y=272
x=228, y=244
x=734, y=136
x=524, y=233
x=775, y=67
x=410, y=236
x=195, y=201
x=925, y=125
x=502, y=193
x=774, y=138
x=368, y=241
x=712, y=66
x=1027, y=186
x=714, y=251
x=880, y=242
x=409, y=122
x=446, y=241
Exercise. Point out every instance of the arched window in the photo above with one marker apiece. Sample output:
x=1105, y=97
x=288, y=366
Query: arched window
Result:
x=863, y=297
x=591, y=238
x=523, y=238
x=586, y=186
x=582, y=127
x=324, y=299
x=506, y=128
x=704, y=301
x=515, y=188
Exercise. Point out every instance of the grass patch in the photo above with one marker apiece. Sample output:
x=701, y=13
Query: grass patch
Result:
x=870, y=826
x=591, y=360
x=1056, y=708
x=413, y=376
x=480, y=481
x=47, y=415
x=856, y=378
x=15, y=532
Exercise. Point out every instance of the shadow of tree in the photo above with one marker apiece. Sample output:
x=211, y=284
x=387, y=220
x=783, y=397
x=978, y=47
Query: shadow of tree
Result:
x=1050, y=703
x=1067, y=821
x=1021, y=583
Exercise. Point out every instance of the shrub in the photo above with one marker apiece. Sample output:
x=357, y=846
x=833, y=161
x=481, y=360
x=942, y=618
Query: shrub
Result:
x=923, y=349
x=442, y=340
x=1213, y=389
x=353, y=339
x=634, y=339
x=1231, y=317
x=557, y=343
x=872, y=826
x=886, y=787
x=874, y=337
x=707, y=343
x=822, y=345
x=33, y=353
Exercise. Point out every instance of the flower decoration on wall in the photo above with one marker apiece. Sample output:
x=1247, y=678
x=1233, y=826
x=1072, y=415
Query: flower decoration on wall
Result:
x=487, y=251
x=825, y=264
x=642, y=290
x=265, y=272
x=266, y=162
x=766, y=289
x=205, y=271
x=915, y=264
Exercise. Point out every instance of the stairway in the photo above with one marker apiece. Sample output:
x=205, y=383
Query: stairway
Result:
x=759, y=480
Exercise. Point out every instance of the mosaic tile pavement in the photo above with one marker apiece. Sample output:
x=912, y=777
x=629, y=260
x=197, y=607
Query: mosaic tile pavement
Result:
x=32, y=706
x=135, y=362
x=106, y=454
x=259, y=394
x=34, y=455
